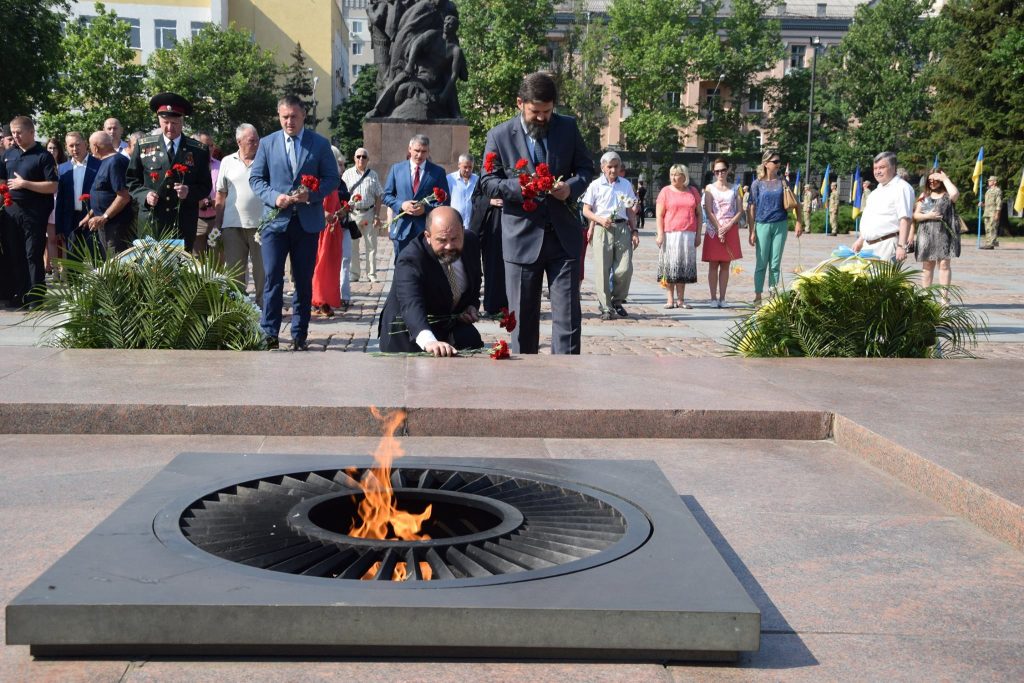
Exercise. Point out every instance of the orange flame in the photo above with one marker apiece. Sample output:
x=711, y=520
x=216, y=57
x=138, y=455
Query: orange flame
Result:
x=378, y=514
x=400, y=573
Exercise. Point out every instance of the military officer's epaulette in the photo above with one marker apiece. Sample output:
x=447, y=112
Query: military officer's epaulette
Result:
x=190, y=142
x=151, y=139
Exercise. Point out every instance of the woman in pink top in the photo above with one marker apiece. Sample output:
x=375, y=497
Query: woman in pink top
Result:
x=722, y=206
x=678, y=215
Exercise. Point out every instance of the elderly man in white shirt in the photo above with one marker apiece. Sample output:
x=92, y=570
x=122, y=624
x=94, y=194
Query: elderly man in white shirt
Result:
x=363, y=181
x=239, y=210
x=462, y=183
x=885, y=223
x=608, y=204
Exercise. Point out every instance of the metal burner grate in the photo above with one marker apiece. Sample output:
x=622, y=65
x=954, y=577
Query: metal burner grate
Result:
x=487, y=528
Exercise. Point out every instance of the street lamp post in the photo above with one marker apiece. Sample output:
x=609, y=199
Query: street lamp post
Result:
x=707, y=127
x=316, y=82
x=815, y=42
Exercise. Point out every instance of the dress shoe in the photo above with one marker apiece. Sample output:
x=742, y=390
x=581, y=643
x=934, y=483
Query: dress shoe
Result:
x=372, y=278
x=607, y=315
x=300, y=345
x=620, y=311
x=272, y=343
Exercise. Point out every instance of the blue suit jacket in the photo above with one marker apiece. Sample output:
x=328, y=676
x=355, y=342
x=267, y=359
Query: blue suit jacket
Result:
x=522, y=232
x=398, y=189
x=269, y=178
x=65, y=217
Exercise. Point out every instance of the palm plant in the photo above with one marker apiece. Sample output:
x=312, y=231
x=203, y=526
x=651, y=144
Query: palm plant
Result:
x=152, y=296
x=859, y=308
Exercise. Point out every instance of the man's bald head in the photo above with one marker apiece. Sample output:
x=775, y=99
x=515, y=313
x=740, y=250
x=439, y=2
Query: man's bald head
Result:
x=445, y=233
x=101, y=144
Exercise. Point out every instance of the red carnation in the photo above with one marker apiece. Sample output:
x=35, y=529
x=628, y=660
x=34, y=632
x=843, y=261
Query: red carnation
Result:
x=544, y=183
x=543, y=169
x=168, y=173
x=489, y=161
x=345, y=205
x=180, y=168
x=500, y=350
x=3, y=188
x=508, y=319
x=154, y=175
x=529, y=192
x=521, y=164
x=357, y=198
x=8, y=201
x=440, y=195
x=84, y=198
x=311, y=182
x=524, y=180
x=529, y=205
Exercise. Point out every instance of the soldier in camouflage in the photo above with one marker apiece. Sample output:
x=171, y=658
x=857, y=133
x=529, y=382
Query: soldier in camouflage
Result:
x=993, y=203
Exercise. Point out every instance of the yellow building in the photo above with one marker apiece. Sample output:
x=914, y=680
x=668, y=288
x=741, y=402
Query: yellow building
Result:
x=276, y=25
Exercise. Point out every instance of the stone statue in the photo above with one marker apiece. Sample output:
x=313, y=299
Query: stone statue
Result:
x=422, y=62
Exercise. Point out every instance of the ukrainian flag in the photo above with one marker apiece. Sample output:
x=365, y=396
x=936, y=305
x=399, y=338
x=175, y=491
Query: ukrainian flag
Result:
x=824, y=183
x=935, y=165
x=1018, y=203
x=979, y=165
x=858, y=194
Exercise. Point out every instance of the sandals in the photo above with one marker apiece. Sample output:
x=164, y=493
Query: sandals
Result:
x=668, y=306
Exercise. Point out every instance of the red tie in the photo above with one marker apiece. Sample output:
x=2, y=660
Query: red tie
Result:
x=416, y=180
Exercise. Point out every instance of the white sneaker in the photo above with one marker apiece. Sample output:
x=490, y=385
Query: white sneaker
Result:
x=722, y=304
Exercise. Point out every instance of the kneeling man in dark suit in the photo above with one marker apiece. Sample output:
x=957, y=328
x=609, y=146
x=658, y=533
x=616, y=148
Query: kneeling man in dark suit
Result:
x=436, y=291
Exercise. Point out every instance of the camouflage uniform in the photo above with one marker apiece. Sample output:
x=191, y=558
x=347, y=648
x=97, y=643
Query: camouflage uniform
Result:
x=993, y=202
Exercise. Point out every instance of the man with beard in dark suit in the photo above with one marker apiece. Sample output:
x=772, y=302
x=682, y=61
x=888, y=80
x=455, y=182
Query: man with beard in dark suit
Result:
x=543, y=235
x=436, y=292
x=169, y=173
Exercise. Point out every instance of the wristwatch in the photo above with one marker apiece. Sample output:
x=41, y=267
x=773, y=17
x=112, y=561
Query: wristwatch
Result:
x=901, y=246
x=105, y=216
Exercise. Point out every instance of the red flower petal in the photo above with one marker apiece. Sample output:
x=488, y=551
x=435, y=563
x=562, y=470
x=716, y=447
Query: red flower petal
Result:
x=529, y=205
x=521, y=164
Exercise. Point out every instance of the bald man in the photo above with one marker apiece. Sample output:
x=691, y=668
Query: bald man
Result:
x=435, y=296
x=109, y=198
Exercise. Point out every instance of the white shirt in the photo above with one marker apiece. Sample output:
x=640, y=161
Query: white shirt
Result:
x=123, y=149
x=603, y=197
x=427, y=336
x=78, y=175
x=462, y=195
x=242, y=207
x=885, y=207
x=370, y=189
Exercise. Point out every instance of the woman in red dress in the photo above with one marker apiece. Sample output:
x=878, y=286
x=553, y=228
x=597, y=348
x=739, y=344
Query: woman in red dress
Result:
x=327, y=273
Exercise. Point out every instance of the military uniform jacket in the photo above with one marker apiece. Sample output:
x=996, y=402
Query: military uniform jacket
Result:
x=993, y=202
x=151, y=170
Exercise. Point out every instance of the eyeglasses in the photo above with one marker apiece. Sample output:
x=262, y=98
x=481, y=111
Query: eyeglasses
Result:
x=362, y=156
x=774, y=161
x=721, y=170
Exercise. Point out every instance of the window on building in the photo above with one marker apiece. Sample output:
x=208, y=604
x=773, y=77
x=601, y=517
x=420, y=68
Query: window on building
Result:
x=135, y=32
x=166, y=33
x=796, y=56
x=86, y=19
x=673, y=98
x=822, y=9
x=198, y=26
x=357, y=48
x=356, y=68
x=756, y=140
x=357, y=26
x=756, y=101
x=710, y=100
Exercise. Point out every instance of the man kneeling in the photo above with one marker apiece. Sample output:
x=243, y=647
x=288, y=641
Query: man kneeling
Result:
x=435, y=293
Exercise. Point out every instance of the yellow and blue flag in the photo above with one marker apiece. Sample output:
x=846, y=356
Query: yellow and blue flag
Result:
x=858, y=194
x=979, y=166
x=935, y=164
x=824, y=183
x=1018, y=203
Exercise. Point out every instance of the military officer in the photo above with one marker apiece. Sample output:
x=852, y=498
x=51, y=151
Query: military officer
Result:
x=169, y=173
x=993, y=203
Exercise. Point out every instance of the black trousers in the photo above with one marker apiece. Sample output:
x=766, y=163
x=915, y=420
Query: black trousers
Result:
x=27, y=237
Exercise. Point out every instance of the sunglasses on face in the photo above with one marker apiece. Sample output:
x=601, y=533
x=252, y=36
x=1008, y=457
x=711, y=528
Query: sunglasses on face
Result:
x=362, y=156
x=774, y=161
x=721, y=170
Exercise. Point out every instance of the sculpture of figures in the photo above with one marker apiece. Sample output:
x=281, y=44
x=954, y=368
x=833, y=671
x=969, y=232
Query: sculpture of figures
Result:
x=424, y=60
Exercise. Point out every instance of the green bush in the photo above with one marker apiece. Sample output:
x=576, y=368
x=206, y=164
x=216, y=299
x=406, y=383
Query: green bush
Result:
x=152, y=296
x=854, y=309
x=846, y=222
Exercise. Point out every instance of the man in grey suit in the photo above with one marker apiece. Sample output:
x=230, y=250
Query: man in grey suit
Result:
x=275, y=176
x=543, y=235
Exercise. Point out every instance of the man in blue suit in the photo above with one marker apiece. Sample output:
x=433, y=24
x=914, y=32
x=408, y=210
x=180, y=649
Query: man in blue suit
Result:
x=540, y=236
x=74, y=178
x=276, y=174
x=408, y=182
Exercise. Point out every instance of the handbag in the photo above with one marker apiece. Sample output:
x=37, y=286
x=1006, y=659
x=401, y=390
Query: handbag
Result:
x=353, y=229
x=788, y=199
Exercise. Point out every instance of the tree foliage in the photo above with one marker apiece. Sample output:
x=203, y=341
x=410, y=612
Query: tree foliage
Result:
x=347, y=118
x=100, y=79
x=32, y=54
x=503, y=41
x=978, y=95
x=578, y=71
x=298, y=81
x=228, y=78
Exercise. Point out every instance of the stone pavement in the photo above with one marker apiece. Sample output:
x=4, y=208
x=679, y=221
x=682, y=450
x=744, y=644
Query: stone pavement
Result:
x=992, y=282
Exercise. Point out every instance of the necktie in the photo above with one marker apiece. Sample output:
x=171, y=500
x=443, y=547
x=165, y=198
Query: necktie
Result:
x=416, y=180
x=449, y=271
x=540, y=152
x=292, y=161
x=170, y=150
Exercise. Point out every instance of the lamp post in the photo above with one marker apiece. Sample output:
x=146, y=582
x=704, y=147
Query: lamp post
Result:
x=707, y=127
x=815, y=42
x=316, y=82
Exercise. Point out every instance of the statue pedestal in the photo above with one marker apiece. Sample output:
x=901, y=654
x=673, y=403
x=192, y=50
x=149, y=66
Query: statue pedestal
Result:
x=387, y=141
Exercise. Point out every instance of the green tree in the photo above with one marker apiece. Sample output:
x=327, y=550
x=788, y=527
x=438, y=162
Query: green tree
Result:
x=978, y=96
x=787, y=99
x=32, y=54
x=228, y=78
x=503, y=41
x=347, y=118
x=298, y=81
x=578, y=67
x=100, y=79
x=875, y=77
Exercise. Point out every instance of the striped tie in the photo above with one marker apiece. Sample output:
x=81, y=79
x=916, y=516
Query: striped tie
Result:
x=449, y=271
